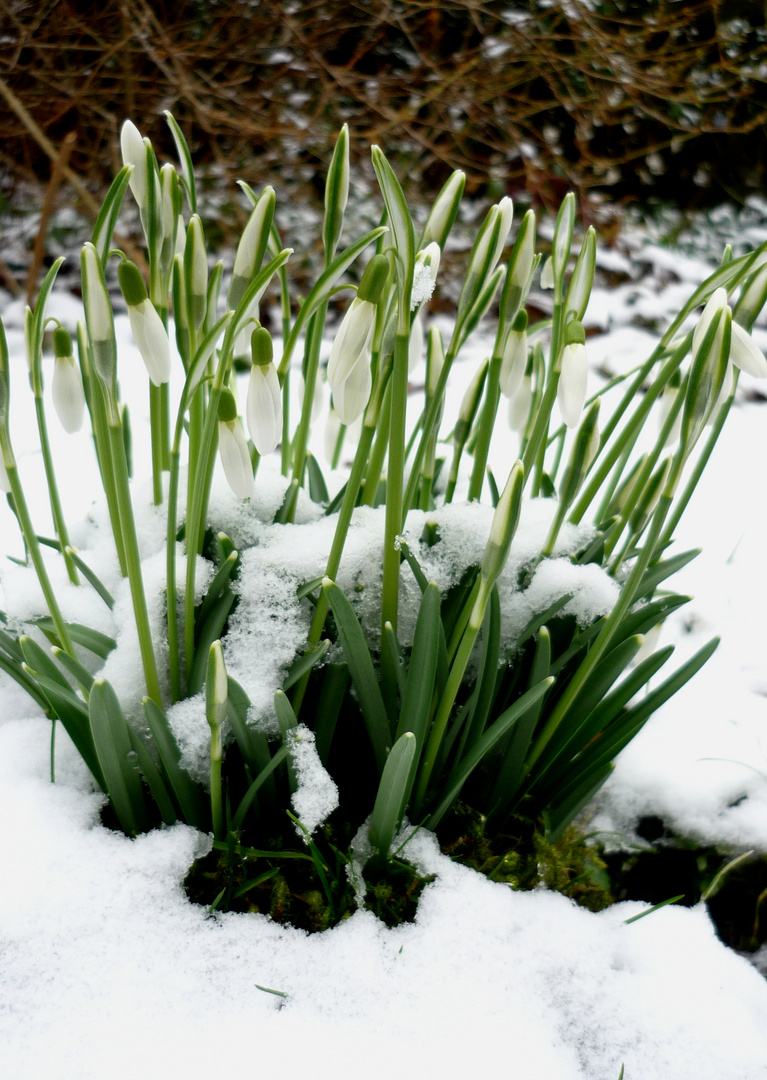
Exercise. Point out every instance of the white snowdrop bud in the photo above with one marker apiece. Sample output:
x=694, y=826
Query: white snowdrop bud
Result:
x=573, y=377
x=134, y=152
x=444, y=211
x=582, y=278
x=425, y=275
x=216, y=693
x=264, y=404
x=352, y=342
x=563, y=235
x=336, y=192
x=147, y=326
x=251, y=248
x=67, y=386
x=709, y=367
x=716, y=302
x=233, y=449
x=504, y=525
x=514, y=359
x=547, y=274
x=196, y=270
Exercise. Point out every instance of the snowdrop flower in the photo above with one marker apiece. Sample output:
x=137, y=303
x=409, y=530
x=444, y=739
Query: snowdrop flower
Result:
x=711, y=341
x=233, y=448
x=67, y=387
x=264, y=406
x=503, y=527
x=582, y=278
x=196, y=270
x=499, y=215
x=716, y=302
x=519, y=406
x=571, y=391
x=444, y=211
x=425, y=275
x=134, y=152
x=98, y=318
x=351, y=351
x=563, y=235
x=147, y=326
x=336, y=193
x=514, y=360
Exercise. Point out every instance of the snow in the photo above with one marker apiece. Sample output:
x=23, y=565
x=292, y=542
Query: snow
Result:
x=107, y=967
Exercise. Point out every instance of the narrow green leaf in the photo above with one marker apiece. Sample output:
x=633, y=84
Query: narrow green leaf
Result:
x=41, y=663
x=218, y=584
x=335, y=680
x=187, y=793
x=422, y=672
x=74, y=667
x=153, y=778
x=185, y=160
x=93, y=640
x=116, y=756
x=559, y=817
x=361, y=668
x=318, y=491
x=266, y=774
x=101, y=238
x=452, y=787
x=484, y=692
x=73, y=714
x=210, y=631
x=393, y=792
x=662, y=570
x=390, y=643
x=303, y=663
x=649, y=911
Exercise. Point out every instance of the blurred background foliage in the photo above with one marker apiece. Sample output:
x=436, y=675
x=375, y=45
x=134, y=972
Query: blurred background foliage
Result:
x=615, y=99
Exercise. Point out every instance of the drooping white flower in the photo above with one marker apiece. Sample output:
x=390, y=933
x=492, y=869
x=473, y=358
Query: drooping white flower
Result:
x=147, y=326
x=514, y=361
x=352, y=342
x=264, y=408
x=352, y=395
x=571, y=391
x=67, y=393
x=519, y=405
x=716, y=302
x=235, y=458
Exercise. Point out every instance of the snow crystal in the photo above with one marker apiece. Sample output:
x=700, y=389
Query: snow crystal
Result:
x=316, y=796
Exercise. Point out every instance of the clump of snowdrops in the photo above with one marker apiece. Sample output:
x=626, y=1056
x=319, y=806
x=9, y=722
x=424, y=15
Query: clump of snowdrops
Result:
x=522, y=729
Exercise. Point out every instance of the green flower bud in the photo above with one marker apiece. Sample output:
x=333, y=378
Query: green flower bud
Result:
x=374, y=279
x=444, y=211
x=62, y=342
x=131, y=283
x=261, y=348
x=582, y=278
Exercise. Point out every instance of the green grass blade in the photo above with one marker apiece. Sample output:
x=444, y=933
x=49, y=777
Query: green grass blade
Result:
x=218, y=584
x=116, y=756
x=362, y=672
x=393, y=792
x=74, y=667
x=335, y=680
x=185, y=160
x=318, y=490
x=93, y=640
x=419, y=687
x=209, y=631
x=265, y=775
x=662, y=570
x=484, y=692
x=101, y=238
x=41, y=663
x=303, y=663
x=153, y=778
x=452, y=787
x=391, y=645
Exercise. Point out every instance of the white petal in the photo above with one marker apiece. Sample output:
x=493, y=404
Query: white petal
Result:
x=519, y=405
x=235, y=458
x=351, y=397
x=351, y=340
x=514, y=362
x=67, y=394
x=547, y=274
x=571, y=392
x=415, y=344
x=716, y=302
x=746, y=354
x=152, y=340
x=264, y=408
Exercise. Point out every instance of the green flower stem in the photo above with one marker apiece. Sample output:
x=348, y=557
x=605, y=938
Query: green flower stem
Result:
x=174, y=660
x=59, y=523
x=155, y=425
x=535, y=451
x=447, y=701
x=613, y=620
x=378, y=453
x=314, y=334
x=486, y=425
x=633, y=427
x=128, y=524
x=700, y=465
x=94, y=395
x=395, y=508
x=33, y=547
x=336, y=551
x=285, y=441
x=430, y=422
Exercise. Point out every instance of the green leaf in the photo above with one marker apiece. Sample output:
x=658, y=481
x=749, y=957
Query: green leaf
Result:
x=419, y=688
x=41, y=304
x=559, y=817
x=26, y=682
x=287, y=720
x=335, y=680
x=318, y=491
x=452, y=787
x=393, y=792
x=361, y=668
x=207, y=633
x=101, y=238
x=116, y=756
x=403, y=233
x=662, y=570
x=252, y=744
x=73, y=714
x=153, y=778
x=74, y=667
x=285, y=512
x=303, y=663
x=93, y=640
x=390, y=643
x=187, y=794
x=265, y=774
x=41, y=663
x=185, y=160
x=484, y=692
x=217, y=586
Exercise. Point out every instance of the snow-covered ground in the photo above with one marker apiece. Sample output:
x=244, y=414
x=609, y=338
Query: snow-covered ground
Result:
x=107, y=969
